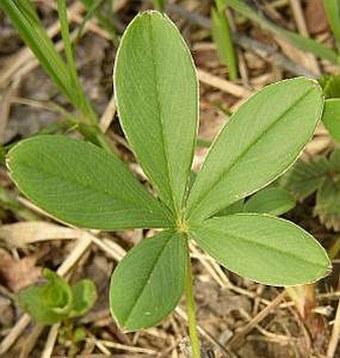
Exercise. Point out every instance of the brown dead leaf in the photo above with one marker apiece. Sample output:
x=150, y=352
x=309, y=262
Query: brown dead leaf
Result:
x=15, y=275
x=316, y=18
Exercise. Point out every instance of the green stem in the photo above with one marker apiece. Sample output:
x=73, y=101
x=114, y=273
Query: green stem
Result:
x=190, y=302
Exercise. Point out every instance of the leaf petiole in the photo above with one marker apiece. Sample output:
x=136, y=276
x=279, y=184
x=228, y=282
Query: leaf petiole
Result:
x=190, y=303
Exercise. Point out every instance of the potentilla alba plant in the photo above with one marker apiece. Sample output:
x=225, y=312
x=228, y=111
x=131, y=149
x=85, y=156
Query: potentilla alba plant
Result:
x=157, y=96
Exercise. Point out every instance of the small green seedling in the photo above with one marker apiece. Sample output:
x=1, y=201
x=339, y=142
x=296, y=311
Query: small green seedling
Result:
x=55, y=300
x=319, y=175
x=156, y=91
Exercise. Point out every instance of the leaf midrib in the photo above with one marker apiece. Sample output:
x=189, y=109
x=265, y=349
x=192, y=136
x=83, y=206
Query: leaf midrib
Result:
x=201, y=198
x=149, y=275
x=160, y=111
x=222, y=233
x=73, y=182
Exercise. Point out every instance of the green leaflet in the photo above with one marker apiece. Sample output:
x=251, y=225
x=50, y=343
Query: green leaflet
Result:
x=234, y=208
x=270, y=200
x=331, y=117
x=82, y=184
x=157, y=97
x=263, y=248
x=273, y=200
x=252, y=149
x=148, y=283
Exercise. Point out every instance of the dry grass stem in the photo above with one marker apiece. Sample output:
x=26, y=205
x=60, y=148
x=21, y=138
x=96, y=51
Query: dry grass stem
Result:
x=50, y=342
x=223, y=85
x=238, y=338
x=310, y=60
x=108, y=115
x=335, y=336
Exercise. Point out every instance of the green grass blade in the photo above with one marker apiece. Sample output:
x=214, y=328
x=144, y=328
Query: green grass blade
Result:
x=82, y=184
x=222, y=37
x=159, y=5
x=27, y=22
x=157, y=98
x=105, y=20
x=92, y=7
x=252, y=150
x=332, y=8
x=263, y=248
x=303, y=43
x=80, y=98
x=149, y=281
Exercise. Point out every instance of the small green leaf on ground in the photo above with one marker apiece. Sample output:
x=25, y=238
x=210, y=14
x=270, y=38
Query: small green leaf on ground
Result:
x=49, y=303
x=84, y=296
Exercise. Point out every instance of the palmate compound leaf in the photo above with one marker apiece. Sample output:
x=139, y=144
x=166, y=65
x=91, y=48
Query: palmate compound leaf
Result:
x=157, y=98
x=261, y=140
x=263, y=248
x=83, y=185
x=148, y=283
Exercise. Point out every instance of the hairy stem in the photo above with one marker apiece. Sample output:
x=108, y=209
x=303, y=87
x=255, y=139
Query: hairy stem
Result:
x=189, y=296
